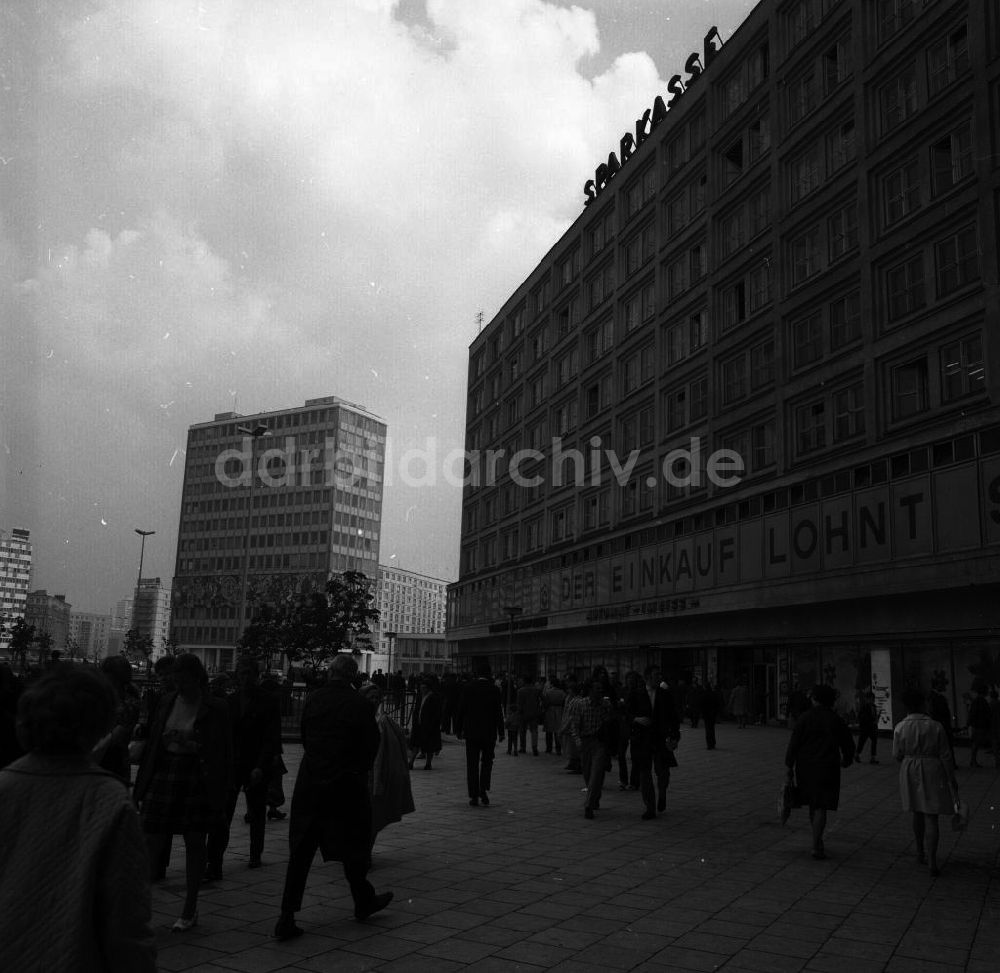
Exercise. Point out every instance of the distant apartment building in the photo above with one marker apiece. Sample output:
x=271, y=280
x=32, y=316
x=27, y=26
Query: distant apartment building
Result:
x=151, y=613
x=408, y=603
x=314, y=501
x=416, y=654
x=15, y=579
x=50, y=615
x=121, y=617
x=88, y=634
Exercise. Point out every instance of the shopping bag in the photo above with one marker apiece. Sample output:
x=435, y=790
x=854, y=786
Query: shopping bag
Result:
x=960, y=819
x=788, y=799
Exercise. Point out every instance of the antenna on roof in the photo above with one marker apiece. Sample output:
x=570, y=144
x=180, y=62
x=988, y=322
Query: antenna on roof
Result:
x=479, y=321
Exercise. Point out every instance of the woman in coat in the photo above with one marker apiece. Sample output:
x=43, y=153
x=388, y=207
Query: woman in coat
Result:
x=389, y=780
x=820, y=745
x=425, y=725
x=74, y=878
x=184, y=774
x=553, y=700
x=927, y=784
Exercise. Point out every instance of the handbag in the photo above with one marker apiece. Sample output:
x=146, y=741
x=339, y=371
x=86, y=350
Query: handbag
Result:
x=788, y=798
x=960, y=819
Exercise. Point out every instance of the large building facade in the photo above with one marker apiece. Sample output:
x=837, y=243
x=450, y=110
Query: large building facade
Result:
x=408, y=603
x=795, y=270
x=151, y=614
x=316, y=499
x=50, y=615
x=15, y=579
x=88, y=635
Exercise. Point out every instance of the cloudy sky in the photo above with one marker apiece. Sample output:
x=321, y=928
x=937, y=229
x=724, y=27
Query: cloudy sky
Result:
x=247, y=203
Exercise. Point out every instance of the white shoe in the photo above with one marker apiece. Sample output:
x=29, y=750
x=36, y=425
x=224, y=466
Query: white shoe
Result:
x=183, y=925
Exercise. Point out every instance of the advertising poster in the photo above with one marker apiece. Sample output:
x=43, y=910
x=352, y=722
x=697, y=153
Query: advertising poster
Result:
x=882, y=687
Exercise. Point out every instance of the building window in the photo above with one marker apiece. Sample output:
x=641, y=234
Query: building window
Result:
x=678, y=279
x=898, y=99
x=596, y=510
x=640, y=307
x=909, y=389
x=901, y=192
x=905, y=287
x=598, y=395
x=843, y=231
x=810, y=427
x=599, y=340
x=734, y=232
x=601, y=285
x=737, y=87
x=963, y=368
x=947, y=60
x=805, y=173
x=563, y=526
x=754, y=445
x=600, y=234
x=840, y=147
x=837, y=67
x=567, y=317
x=640, y=192
x=687, y=337
x=732, y=162
x=807, y=340
x=951, y=159
x=849, y=412
x=801, y=19
x=564, y=417
x=803, y=95
x=540, y=343
x=569, y=270
x=806, y=256
x=734, y=379
x=894, y=15
x=758, y=137
x=956, y=260
x=845, y=320
x=639, y=249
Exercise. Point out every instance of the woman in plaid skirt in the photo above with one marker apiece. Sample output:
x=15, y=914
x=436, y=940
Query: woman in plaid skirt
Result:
x=184, y=774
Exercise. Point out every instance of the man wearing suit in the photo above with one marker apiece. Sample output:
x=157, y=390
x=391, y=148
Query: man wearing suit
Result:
x=653, y=720
x=479, y=721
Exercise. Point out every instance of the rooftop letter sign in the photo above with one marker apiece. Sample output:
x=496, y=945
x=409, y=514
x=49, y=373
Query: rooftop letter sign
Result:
x=651, y=117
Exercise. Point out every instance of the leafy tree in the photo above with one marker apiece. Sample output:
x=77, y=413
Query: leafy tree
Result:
x=312, y=627
x=22, y=637
x=137, y=648
x=44, y=642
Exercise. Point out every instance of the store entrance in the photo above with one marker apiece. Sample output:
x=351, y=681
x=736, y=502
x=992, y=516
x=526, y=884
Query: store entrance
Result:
x=764, y=692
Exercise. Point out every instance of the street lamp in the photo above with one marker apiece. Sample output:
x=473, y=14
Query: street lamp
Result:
x=511, y=611
x=255, y=433
x=138, y=581
x=391, y=636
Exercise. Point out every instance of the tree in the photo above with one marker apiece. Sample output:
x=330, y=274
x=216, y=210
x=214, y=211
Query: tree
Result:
x=312, y=627
x=22, y=637
x=44, y=642
x=137, y=648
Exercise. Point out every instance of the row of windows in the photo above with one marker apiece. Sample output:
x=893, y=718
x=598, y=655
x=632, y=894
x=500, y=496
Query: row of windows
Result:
x=914, y=385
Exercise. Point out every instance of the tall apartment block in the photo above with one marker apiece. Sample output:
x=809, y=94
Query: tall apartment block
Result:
x=50, y=616
x=88, y=634
x=151, y=613
x=15, y=579
x=316, y=511
x=794, y=260
x=407, y=603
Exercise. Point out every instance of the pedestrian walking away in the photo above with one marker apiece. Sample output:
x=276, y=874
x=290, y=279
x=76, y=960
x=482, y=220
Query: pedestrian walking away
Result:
x=710, y=706
x=479, y=721
x=867, y=727
x=331, y=802
x=927, y=784
x=821, y=744
x=183, y=780
x=255, y=718
x=425, y=723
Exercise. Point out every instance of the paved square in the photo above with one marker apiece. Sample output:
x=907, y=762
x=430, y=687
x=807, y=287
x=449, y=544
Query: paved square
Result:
x=714, y=883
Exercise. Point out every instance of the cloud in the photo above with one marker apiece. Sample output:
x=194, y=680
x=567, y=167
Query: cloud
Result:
x=289, y=200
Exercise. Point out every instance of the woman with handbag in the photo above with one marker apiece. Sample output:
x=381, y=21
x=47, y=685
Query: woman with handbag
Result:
x=927, y=784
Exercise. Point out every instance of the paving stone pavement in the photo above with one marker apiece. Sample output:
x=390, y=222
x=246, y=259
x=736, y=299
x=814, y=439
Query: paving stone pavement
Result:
x=714, y=883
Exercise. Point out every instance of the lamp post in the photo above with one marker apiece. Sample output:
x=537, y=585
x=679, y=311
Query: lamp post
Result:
x=138, y=581
x=511, y=611
x=255, y=433
x=391, y=636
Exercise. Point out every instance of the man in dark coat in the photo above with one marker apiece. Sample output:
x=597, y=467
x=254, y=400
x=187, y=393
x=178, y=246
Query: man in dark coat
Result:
x=331, y=803
x=820, y=746
x=653, y=721
x=479, y=721
x=255, y=717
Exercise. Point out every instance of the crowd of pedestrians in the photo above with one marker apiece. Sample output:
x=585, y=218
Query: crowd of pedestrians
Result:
x=73, y=839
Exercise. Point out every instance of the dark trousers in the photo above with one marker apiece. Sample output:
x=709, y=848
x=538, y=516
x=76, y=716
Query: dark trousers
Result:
x=594, y=757
x=300, y=860
x=650, y=760
x=864, y=734
x=218, y=839
x=479, y=756
x=710, y=732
